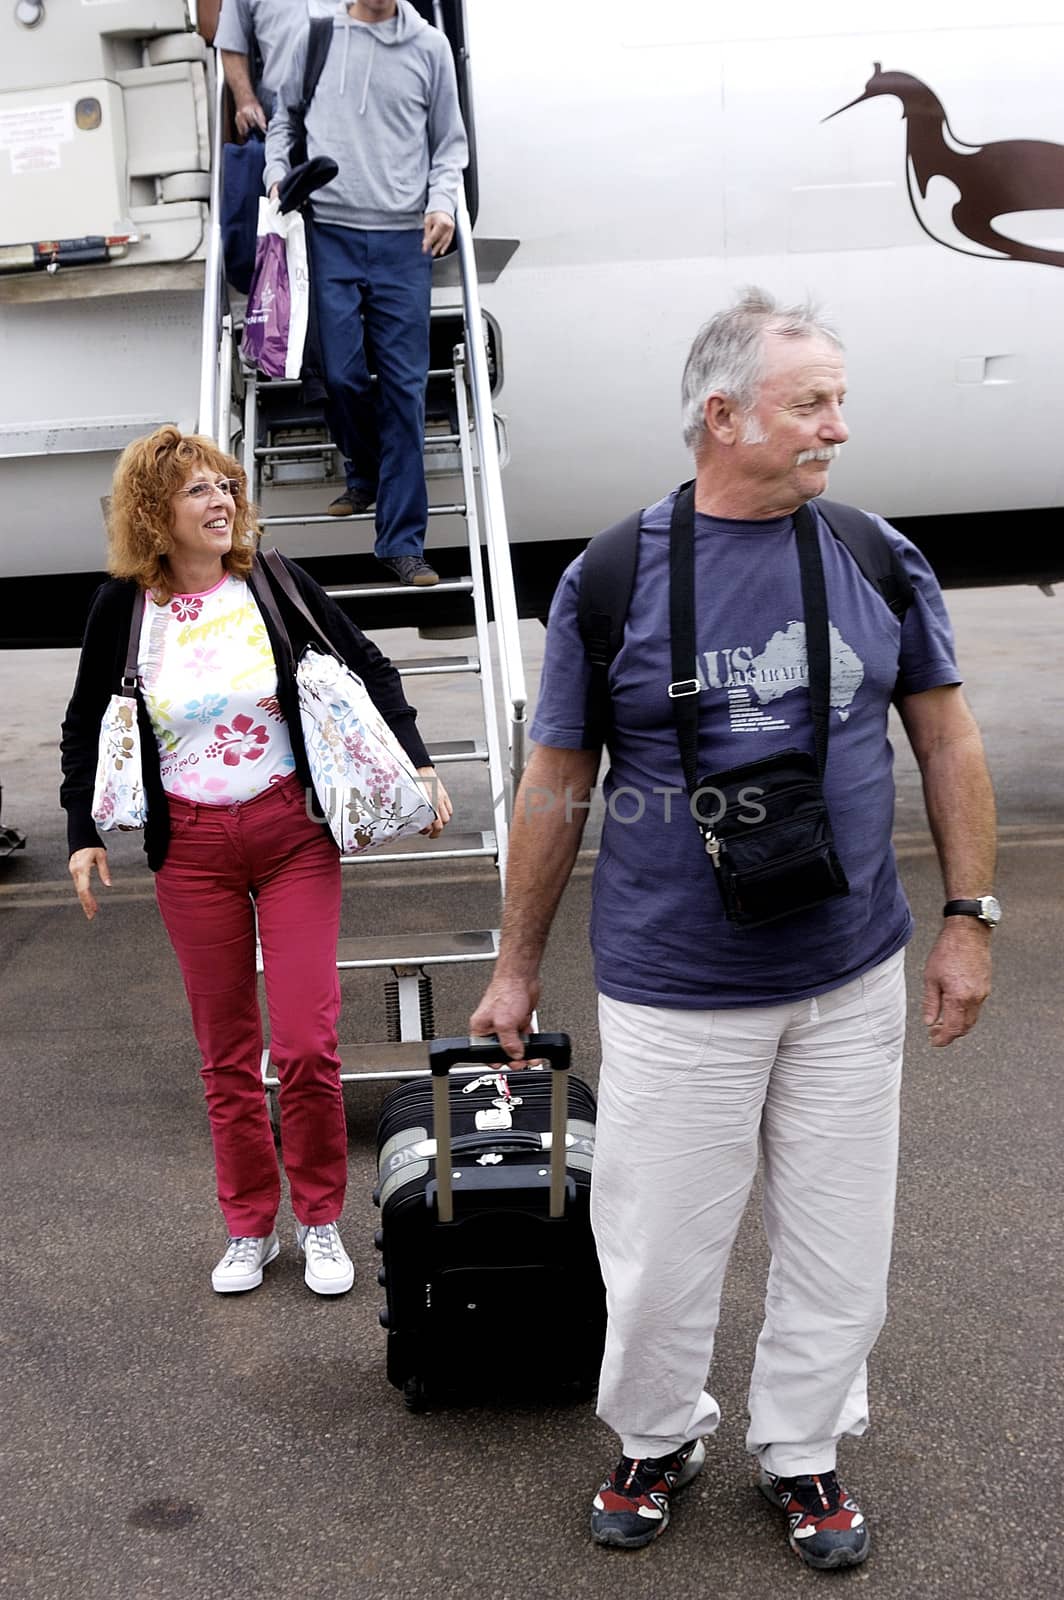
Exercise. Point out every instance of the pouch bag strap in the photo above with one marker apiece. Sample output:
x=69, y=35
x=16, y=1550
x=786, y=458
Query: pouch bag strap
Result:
x=815, y=608
x=684, y=689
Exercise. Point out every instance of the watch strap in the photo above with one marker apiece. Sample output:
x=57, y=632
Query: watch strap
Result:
x=970, y=908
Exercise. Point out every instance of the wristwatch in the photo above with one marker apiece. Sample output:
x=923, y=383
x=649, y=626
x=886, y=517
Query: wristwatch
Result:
x=986, y=908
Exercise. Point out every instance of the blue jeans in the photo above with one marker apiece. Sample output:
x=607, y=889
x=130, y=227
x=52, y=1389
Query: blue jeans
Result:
x=373, y=293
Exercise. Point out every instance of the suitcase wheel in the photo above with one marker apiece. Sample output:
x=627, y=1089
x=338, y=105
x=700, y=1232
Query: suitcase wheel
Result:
x=414, y=1396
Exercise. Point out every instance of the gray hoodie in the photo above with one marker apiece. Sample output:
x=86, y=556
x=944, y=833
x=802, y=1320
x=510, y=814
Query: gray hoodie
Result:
x=386, y=110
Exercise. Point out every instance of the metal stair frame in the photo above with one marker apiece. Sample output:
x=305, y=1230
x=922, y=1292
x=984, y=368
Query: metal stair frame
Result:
x=483, y=510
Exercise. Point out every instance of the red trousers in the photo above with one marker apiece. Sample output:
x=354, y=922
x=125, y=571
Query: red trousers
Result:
x=225, y=865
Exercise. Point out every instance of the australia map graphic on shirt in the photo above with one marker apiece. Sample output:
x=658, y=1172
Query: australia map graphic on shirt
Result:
x=756, y=679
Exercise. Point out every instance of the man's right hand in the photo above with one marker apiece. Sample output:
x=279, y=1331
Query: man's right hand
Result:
x=81, y=864
x=506, y=1010
x=249, y=114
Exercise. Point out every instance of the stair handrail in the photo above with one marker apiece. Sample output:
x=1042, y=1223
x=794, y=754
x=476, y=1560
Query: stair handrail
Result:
x=208, y=419
x=496, y=533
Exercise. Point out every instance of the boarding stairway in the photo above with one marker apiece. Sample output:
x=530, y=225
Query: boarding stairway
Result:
x=285, y=445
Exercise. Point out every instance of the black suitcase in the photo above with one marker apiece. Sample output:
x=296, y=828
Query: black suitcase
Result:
x=493, y=1285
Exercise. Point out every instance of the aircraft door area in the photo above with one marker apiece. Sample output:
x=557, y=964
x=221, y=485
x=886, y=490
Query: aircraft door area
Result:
x=104, y=193
x=104, y=137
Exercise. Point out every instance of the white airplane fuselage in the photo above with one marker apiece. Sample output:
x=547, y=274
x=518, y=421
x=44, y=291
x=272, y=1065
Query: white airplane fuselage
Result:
x=663, y=162
x=649, y=164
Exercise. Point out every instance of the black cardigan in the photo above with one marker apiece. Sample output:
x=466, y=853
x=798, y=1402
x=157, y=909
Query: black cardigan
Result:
x=103, y=659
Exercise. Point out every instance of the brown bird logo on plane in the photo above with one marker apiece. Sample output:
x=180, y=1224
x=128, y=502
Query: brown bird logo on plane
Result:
x=994, y=180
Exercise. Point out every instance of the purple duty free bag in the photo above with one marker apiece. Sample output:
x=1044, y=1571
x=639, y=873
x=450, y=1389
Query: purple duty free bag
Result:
x=275, y=327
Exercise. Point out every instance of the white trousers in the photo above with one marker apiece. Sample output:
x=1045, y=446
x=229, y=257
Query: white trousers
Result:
x=683, y=1099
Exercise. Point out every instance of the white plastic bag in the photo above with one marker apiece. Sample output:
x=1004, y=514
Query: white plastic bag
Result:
x=275, y=327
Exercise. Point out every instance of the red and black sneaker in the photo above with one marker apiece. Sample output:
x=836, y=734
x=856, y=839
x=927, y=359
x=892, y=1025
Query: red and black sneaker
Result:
x=827, y=1526
x=632, y=1507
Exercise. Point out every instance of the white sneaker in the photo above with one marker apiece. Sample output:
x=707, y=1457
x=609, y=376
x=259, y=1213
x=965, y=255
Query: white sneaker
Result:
x=329, y=1269
x=241, y=1266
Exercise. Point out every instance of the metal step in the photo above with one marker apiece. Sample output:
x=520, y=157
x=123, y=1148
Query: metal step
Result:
x=437, y=313
x=266, y=384
x=266, y=452
x=418, y=949
x=372, y=591
x=450, y=751
x=435, y=666
x=387, y=1059
x=356, y=516
x=446, y=847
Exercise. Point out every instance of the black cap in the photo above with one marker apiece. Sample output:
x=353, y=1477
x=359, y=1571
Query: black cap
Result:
x=301, y=182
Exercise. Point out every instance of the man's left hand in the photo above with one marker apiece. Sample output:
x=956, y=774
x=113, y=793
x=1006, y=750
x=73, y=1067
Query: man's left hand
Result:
x=956, y=979
x=439, y=231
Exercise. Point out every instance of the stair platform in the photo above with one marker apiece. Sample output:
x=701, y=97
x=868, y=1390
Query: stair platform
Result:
x=418, y=949
x=447, y=846
x=311, y=518
x=447, y=752
x=434, y=666
x=388, y=591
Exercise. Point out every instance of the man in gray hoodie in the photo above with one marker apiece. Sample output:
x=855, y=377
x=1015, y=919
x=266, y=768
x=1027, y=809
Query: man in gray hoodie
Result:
x=386, y=110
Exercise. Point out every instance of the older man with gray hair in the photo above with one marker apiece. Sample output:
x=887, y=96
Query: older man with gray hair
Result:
x=748, y=923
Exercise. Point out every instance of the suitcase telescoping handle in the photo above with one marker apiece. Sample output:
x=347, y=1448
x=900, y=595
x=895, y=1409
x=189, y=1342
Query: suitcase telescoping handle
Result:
x=447, y=1053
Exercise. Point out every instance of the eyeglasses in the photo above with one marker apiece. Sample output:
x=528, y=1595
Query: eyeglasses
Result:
x=201, y=490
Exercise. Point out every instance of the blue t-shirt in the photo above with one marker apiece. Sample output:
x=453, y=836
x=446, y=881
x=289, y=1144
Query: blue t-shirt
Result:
x=658, y=929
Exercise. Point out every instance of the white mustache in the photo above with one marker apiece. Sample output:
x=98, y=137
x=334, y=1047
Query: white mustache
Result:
x=829, y=452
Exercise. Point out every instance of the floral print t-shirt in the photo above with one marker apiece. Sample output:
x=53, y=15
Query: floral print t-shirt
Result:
x=210, y=685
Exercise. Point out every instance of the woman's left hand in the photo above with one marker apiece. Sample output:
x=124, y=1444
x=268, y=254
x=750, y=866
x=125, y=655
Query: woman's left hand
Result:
x=439, y=797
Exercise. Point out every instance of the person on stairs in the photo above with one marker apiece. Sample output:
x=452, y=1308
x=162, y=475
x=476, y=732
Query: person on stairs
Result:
x=386, y=109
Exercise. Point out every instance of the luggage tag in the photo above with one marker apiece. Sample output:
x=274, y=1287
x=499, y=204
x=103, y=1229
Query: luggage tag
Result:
x=479, y=1083
x=500, y=1114
x=493, y=1119
x=506, y=1100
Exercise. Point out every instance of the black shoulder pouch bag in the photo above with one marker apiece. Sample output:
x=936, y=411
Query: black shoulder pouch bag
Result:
x=765, y=825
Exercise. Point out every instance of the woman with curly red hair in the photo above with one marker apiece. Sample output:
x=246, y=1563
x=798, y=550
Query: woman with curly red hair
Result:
x=229, y=833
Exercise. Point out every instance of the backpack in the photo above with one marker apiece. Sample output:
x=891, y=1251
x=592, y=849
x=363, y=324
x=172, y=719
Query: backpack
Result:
x=318, y=41
x=608, y=575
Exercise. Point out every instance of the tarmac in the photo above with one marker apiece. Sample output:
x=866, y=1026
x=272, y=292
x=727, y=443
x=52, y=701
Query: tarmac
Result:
x=157, y=1440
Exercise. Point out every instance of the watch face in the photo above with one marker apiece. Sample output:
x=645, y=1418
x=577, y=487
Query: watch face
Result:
x=991, y=911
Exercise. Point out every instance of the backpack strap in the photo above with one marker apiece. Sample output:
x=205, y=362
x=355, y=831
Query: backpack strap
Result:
x=607, y=577
x=319, y=40
x=878, y=560
x=607, y=574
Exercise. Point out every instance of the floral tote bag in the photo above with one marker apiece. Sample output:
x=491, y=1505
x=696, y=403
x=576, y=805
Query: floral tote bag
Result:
x=118, y=795
x=366, y=785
